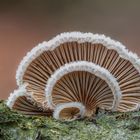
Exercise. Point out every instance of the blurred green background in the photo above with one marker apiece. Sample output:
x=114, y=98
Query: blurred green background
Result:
x=25, y=23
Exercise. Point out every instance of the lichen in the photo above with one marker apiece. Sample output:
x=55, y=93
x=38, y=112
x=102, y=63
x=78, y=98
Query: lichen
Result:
x=105, y=126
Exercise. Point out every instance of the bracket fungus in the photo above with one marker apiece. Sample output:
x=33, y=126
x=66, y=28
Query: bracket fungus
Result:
x=75, y=73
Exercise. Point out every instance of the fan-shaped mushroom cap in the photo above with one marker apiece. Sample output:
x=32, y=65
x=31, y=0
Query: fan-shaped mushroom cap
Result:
x=69, y=111
x=20, y=101
x=83, y=82
x=70, y=41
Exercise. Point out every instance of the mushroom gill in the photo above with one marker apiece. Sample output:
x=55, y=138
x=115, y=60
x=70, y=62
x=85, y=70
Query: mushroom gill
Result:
x=85, y=88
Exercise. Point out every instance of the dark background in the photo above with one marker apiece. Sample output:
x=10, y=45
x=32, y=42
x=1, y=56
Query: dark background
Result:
x=25, y=23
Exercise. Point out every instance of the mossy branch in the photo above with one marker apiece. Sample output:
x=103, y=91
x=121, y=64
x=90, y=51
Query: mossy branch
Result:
x=106, y=126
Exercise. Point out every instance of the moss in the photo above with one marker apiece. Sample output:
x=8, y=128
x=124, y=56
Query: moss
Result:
x=110, y=126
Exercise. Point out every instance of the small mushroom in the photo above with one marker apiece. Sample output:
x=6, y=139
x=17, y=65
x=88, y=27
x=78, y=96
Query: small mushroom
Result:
x=69, y=111
x=19, y=100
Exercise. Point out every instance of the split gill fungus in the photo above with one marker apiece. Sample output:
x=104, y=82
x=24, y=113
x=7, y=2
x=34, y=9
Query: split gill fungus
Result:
x=75, y=73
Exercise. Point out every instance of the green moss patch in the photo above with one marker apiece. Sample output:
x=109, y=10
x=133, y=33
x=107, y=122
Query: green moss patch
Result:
x=106, y=126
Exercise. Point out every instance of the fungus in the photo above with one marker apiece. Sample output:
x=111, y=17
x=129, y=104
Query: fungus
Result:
x=69, y=111
x=77, y=68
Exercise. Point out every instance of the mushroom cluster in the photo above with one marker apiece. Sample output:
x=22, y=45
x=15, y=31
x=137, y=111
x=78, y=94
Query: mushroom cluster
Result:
x=75, y=73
